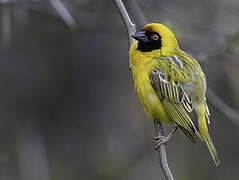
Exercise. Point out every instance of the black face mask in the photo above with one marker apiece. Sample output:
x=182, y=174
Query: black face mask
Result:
x=148, y=41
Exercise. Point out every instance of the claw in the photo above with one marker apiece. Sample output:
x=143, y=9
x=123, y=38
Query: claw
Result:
x=159, y=141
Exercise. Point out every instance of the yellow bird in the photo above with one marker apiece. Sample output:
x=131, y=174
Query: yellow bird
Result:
x=170, y=84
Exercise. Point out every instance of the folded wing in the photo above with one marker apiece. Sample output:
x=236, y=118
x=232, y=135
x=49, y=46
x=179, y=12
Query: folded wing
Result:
x=176, y=102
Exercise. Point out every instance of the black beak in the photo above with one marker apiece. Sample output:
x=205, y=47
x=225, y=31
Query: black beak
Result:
x=140, y=36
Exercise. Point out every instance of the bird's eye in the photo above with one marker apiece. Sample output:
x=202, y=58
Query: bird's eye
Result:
x=155, y=37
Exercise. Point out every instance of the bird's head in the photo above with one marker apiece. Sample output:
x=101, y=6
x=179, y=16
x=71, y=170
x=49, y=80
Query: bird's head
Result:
x=156, y=37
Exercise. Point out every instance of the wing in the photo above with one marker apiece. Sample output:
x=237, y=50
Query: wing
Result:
x=176, y=102
x=207, y=111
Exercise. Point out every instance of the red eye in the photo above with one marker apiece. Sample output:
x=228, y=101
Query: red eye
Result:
x=155, y=37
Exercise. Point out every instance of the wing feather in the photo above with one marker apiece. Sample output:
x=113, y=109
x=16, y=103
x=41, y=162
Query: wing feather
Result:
x=175, y=101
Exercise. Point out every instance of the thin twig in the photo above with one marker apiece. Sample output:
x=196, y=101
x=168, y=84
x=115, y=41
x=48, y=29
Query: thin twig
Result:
x=222, y=106
x=136, y=13
x=129, y=26
x=162, y=153
x=63, y=12
x=159, y=129
x=213, y=98
x=13, y=2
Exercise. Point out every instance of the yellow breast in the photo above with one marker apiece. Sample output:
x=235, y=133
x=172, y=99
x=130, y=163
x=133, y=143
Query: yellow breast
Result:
x=152, y=104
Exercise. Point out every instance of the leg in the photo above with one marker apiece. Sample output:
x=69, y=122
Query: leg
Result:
x=163, y=139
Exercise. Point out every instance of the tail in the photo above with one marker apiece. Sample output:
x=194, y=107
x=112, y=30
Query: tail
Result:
x=211, y=148
x=203, y=134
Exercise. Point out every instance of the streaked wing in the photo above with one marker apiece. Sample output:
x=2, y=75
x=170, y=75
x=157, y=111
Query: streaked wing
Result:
x=176, y=102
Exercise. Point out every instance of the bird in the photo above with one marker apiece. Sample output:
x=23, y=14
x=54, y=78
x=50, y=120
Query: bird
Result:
x=170, y=84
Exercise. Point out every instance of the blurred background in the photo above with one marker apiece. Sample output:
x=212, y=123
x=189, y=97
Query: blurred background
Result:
x=68, y=108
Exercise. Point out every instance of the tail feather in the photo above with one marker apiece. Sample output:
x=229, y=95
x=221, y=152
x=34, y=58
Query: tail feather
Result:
x=207, y=139
x=203, y=134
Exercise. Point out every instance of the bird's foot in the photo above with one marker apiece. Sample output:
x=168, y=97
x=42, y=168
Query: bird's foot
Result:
x=159, y=140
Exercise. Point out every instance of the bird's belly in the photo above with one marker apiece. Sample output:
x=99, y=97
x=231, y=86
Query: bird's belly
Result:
x=152, y=104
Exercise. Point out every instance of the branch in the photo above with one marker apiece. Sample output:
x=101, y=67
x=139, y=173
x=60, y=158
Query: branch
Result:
x=162, y=153
x=130, y=27
x=136, y=13
x=222, y=106
x=213, y=98
x=63, y=12
x=158, y=127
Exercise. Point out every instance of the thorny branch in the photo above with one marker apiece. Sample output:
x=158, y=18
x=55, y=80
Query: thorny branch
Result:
x=158, y=127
